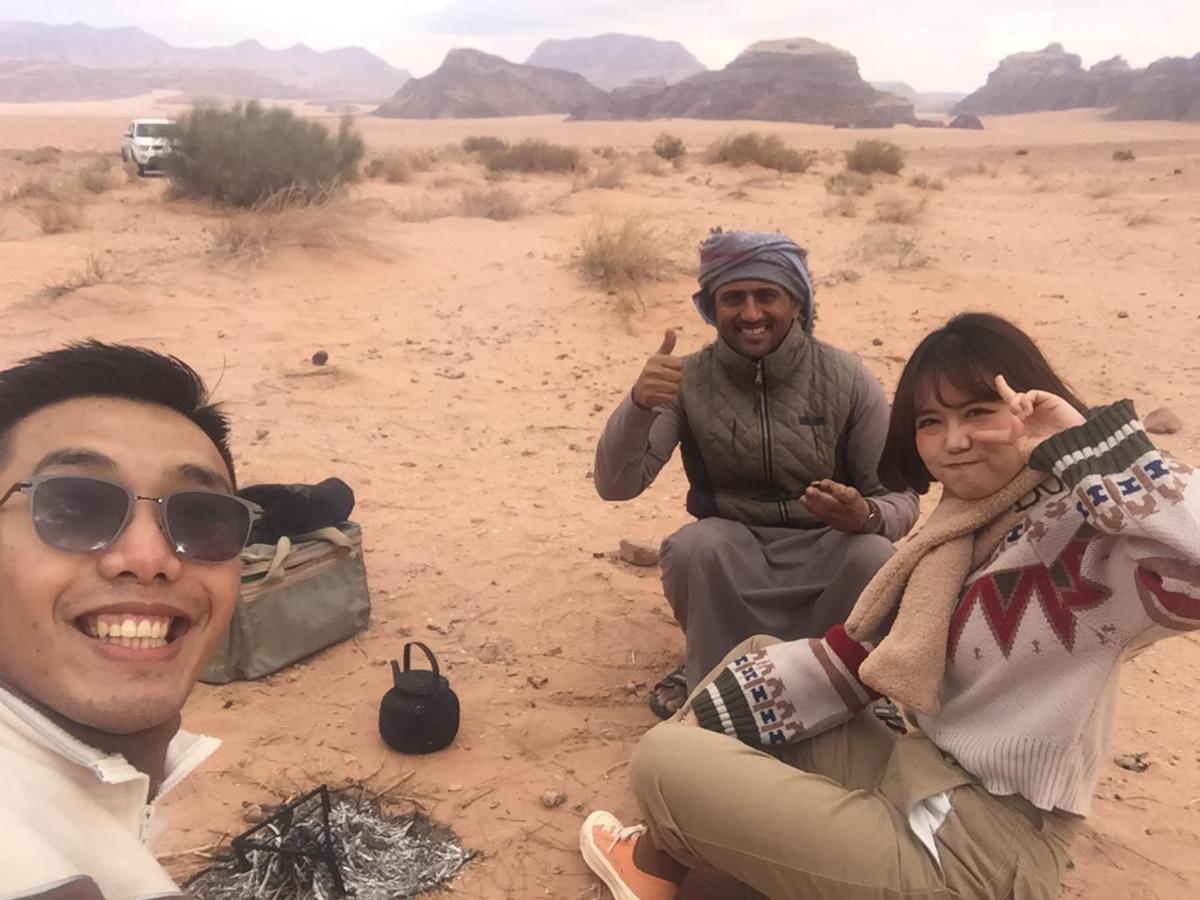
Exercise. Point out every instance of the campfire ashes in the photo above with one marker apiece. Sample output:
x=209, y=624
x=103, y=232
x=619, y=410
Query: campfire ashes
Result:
x=377, y=858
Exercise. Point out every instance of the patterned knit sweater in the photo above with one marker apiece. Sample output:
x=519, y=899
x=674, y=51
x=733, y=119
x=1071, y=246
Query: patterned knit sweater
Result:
x=1105, y=560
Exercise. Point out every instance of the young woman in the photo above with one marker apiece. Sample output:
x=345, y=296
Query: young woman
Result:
x=1060, y=544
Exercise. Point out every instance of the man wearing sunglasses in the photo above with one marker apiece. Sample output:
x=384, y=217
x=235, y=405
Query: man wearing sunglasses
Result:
x=120, y=537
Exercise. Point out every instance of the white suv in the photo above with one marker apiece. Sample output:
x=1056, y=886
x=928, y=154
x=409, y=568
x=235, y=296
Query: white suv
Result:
x=145, y=143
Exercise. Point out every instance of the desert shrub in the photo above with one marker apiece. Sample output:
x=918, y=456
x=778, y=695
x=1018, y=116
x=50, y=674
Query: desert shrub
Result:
x=484, y=143
x=1099, y=190
x=622, y=255
x=1123, y=156
x=901, y=251
x=606, y=153
x=1134, y=218
x=844, y=184
x=292, y=217
x=32, y=189
x=669, y=146
x=41, y=156
x=898, y=210
x=394, y=168
x=1021, y=151
x=875, y=156
x=844, y=207
x=93, y=271
x=649, y=164
x=56, y=214
x=247, y=153
x=768, y=151
x=532, y=155
x=497, y=203
x=923, y=182
x=610, y=178
x=97, y=176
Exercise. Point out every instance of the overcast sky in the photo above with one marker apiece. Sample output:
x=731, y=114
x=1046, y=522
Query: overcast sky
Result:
x=932, y=44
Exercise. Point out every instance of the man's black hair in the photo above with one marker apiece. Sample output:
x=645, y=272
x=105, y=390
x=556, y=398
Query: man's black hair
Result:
x=95, y=369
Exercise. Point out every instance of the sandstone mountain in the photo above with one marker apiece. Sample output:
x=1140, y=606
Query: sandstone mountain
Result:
x=614, y=60
x=1166, y=89
x=922, y=101
x=796, y=80
x=1049, y=79
x=348, y=73
x=471, y=84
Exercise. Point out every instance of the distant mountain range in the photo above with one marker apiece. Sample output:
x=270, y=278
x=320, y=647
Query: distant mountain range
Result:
x=112, y=62
x=922, y=101
x=611, y=61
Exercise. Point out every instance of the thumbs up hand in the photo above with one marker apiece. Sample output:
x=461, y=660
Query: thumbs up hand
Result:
x=661, y=376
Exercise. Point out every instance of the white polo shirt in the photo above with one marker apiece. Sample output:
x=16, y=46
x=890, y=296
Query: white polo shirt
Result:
x=71, y=814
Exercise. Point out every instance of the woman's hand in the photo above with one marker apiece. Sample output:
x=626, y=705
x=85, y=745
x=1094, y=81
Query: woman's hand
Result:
x=1037, y=415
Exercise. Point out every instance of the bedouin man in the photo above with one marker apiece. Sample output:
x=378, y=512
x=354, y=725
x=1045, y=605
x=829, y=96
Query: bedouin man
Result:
x=781, y=436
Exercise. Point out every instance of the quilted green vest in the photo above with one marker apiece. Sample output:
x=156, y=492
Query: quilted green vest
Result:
x=760, y=431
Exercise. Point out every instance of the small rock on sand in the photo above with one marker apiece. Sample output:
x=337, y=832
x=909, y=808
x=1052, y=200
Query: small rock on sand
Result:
x=1163, y=421
x=639, y=553
x=320, y=358
x=553, y=798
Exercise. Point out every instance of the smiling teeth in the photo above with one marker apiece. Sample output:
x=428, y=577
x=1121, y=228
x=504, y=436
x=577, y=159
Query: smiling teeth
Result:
x=141, y=632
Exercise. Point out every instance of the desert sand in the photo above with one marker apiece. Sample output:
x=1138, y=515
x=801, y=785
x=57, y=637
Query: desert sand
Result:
x=471, y=370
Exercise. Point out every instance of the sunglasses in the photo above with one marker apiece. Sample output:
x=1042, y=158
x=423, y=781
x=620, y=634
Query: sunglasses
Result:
x=78, y=514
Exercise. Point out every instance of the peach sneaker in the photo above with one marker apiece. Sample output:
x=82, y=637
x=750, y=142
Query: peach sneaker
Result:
x=607, y=848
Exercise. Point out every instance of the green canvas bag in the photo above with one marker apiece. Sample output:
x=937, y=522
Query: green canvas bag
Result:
x=298, y=596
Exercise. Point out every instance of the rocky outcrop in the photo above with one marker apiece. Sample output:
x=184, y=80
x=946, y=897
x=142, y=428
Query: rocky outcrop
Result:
x=470, y=84
x=1048, y=79
x=612, y=61
x=797, y=80
x=967, y=121
x=1166, y=89
x=119, y=57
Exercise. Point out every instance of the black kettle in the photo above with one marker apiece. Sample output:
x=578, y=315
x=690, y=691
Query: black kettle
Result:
x=420, y=713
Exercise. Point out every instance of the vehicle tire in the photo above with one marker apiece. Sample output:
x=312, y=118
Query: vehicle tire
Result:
x=124, y=156
x=141, y=171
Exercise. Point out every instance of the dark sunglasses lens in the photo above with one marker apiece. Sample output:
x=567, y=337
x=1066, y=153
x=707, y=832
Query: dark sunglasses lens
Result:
x=78, y=515
x=205, y=526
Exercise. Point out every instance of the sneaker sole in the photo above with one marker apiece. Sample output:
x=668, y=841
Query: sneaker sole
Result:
x=598, y=862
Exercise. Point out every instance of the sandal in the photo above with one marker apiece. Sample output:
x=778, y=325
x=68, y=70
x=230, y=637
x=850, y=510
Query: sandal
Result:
x=670, y=694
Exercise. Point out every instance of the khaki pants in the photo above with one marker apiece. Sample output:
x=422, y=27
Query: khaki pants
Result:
x=828, y=817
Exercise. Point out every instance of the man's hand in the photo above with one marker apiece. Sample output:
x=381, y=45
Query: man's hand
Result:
x=661, y=376
x=837, y=505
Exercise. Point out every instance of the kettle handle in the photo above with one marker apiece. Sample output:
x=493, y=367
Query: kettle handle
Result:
x=433, y=663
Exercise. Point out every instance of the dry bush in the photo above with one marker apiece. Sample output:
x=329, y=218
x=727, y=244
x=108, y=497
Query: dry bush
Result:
x=57, y=214
x=610, y=178
x=421, y=209
x=902, y=251
x=532, y=155
x=669, y=146
x=768, y=151
x=394, y=168
x=649, y=164
x=964, y=171
x=1099, y=190
x=923, y=182
x=623, y=255
x=606, y=153
x=94, y=271
x=1134, y=218
x=483, y=143
x=845, y=207
x=875, y=156
x=499, y=204
x=33, y=190
x=1123, y=156
x=287, y=218
x=41, y=156
x=97, y=176
x=844, y=184
x=898, y=210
